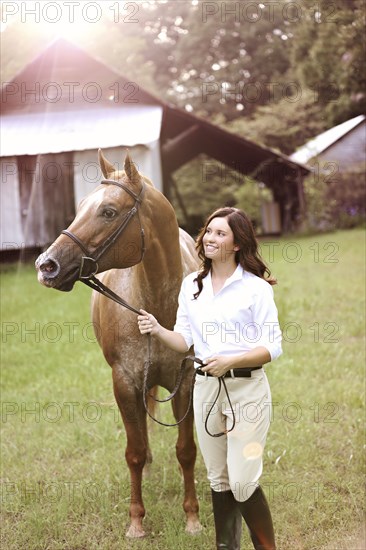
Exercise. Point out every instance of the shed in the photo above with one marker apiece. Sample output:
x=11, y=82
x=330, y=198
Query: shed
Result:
x=344, y=145
x=66, y=104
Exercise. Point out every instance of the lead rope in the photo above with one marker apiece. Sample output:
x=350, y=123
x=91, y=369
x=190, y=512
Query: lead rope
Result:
x=221, y=381
x=145, y=391
x=98, y=286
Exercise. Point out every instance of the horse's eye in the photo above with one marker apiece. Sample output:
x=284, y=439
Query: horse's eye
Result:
x=109, y=213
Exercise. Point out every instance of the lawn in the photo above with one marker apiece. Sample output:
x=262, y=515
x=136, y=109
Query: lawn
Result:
x=65, y=484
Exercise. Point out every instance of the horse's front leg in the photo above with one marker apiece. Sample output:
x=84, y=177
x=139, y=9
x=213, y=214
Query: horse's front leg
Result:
x=134, y=419
x=186, y=454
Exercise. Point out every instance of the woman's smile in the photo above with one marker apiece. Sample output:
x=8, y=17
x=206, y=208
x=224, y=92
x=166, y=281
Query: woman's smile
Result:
x=218, y=240
x=211, y=248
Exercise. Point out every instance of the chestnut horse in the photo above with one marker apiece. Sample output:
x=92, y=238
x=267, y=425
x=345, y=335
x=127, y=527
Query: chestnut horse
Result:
x=142, y=255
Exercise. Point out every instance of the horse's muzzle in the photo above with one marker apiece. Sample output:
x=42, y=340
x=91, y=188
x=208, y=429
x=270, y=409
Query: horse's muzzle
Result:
x=53, y=275
x=48, y=269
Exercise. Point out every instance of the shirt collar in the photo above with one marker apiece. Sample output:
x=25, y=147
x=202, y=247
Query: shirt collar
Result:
x=238, y=275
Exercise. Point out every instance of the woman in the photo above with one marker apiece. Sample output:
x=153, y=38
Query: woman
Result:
x=226, y=310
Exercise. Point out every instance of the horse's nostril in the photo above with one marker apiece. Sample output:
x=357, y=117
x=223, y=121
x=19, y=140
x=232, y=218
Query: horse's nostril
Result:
x=49, y=268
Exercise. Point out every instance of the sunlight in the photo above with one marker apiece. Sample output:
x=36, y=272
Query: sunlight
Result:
x=67, y=19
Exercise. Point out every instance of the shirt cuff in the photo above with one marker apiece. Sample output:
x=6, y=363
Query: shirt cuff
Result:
x=187, y=337
x=275, y=350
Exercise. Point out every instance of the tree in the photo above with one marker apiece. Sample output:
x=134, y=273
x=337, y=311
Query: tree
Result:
x=329, y=56
x=228, y=59
x=336, y=202
x=285, y=125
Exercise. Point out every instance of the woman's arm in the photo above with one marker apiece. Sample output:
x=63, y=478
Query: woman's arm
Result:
x=173, y=340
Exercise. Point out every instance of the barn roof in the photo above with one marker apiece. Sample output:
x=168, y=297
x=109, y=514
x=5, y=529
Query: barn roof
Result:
x=323, y=141
x=184, y=134
x=76, y=130
x=51, y=105
x=63, y=75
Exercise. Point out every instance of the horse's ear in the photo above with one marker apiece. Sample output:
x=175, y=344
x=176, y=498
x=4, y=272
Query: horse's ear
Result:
x=131, y=171
x=106, y=166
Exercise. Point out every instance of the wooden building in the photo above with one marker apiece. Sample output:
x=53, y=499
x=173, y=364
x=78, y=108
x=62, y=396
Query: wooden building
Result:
x=344, y=145
x=66, y=104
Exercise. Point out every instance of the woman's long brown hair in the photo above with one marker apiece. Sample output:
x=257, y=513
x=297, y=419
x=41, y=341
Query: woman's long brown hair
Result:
x=247, y=256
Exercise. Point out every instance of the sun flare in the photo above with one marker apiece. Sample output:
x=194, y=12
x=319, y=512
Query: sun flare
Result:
x=67, y=19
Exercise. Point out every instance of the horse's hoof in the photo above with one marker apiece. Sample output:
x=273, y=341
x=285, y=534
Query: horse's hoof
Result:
x=194, y=527
x=135, y=532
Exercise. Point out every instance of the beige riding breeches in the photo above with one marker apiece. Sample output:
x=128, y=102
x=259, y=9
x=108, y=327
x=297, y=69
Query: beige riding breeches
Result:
x=234, y=460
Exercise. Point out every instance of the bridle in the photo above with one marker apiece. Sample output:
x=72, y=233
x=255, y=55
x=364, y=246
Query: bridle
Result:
x=89, y=262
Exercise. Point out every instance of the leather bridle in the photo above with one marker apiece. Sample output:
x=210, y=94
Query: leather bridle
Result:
x=89, y=262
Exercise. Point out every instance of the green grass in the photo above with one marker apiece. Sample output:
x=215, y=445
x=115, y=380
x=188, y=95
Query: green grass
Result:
x=65, y=484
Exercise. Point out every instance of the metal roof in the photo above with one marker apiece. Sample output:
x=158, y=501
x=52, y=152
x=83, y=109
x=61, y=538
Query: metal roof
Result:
x=76, y=130
x=184, y=136
x=321, y=142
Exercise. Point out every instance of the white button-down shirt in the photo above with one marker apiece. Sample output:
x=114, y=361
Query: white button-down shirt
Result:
x=239, y=318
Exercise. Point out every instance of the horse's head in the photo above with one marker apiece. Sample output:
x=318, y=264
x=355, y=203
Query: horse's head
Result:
x=106, y=232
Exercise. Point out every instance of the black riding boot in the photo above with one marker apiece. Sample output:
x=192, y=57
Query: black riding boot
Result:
x=228, y=520
x=257, y=516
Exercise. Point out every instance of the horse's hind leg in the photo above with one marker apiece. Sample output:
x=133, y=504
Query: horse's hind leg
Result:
x=186, y=454
x=134, y=419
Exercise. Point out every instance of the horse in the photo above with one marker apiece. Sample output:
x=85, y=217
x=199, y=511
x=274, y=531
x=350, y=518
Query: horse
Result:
x=130, y=237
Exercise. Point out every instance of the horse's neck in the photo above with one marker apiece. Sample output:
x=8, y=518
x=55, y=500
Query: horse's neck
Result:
x=158, y=277
x=160, y=273
x=161, y=266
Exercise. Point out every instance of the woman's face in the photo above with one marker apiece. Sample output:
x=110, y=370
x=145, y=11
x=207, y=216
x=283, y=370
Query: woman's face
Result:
x=218, y=241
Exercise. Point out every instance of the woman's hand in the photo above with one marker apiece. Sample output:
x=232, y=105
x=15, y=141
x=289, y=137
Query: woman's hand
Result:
x=217, y=365
x=147, y=323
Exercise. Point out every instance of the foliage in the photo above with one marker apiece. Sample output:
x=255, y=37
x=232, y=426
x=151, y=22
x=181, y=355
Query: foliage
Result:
x=230, y=57
x=329, y=55
x=250, y=197
x=220, y=57
x=65, y=483
x=205, y=185
x=284, y=125
x=338, y=201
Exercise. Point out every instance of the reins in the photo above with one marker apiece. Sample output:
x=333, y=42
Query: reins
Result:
x=88, y=269
x=98, y=286
x=145, y=390
x=222, y=382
